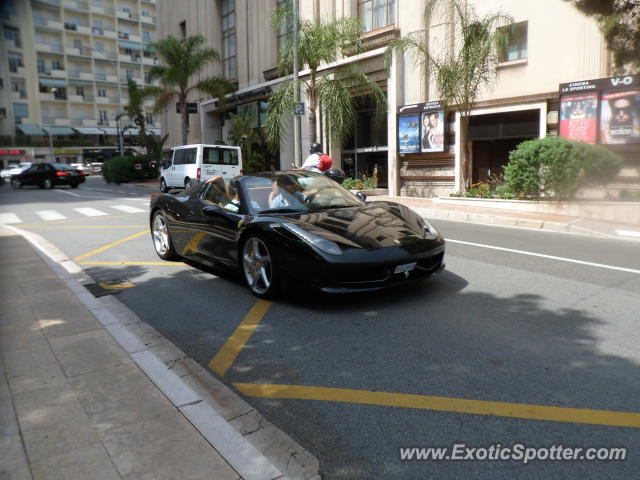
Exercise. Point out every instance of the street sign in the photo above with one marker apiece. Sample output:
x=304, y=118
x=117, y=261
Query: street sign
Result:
x=298, y=109
x=191, y=107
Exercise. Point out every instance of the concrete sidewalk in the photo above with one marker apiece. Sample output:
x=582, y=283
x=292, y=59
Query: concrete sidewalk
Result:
x=81, y=397
x=512, y=218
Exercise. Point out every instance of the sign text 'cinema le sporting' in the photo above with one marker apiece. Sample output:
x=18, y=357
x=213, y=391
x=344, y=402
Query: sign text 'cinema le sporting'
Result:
x=605, y=110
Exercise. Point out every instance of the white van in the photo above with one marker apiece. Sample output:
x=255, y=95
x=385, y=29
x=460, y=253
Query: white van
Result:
x=188, y=164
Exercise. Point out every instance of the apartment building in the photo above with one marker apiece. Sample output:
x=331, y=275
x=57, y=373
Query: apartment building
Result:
x=64, y=70
x=555, y=45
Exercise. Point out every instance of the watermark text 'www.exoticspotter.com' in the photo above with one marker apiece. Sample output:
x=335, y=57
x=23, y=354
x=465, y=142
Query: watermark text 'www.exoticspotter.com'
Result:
x=513, y=453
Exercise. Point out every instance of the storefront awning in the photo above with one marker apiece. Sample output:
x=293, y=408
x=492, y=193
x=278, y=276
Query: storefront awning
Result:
x=109, y=130
x=52, y=82
x=131, y=45
x=28, y=129
x=89, y=130
x=59, y=130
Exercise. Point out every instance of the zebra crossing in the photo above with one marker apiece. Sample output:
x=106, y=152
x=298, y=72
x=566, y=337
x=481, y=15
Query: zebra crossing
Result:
x=9, y=218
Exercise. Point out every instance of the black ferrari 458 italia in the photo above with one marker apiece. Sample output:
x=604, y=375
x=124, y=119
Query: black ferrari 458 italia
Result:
x=293, y=228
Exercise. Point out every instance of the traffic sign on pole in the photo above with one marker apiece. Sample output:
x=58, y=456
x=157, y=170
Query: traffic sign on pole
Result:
x=298, y=109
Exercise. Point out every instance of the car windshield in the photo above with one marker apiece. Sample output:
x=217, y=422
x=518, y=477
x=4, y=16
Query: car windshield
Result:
x=296, y=192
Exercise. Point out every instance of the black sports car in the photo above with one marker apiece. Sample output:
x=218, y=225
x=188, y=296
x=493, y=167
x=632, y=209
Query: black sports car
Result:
x=292, y=228
x=48, y=175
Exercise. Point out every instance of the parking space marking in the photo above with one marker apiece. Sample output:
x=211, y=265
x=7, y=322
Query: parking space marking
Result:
x=236, y=342
x=541, y=255
x=443, y=404
x=110, y=245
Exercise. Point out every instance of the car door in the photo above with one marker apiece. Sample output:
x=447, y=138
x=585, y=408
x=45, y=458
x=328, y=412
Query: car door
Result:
x=170, y=173
x=33, y=175
x=217, y=221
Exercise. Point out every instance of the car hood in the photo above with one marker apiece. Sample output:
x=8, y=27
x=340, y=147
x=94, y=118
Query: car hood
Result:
x=369, y=226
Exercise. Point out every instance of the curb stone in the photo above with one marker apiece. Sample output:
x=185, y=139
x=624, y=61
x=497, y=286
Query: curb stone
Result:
x=253, y=446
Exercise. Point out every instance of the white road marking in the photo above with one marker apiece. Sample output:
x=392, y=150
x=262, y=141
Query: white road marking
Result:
x=541, y=255
x=6, y=218
x=67, y=192
x=628, y=233
x=48, y=215
x=90, y=212
x=128, y=209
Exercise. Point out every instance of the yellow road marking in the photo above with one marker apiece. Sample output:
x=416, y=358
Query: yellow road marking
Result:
x=169, y=264
x=230, y=350
x=443, y=404
x=56, y=227
x=192, y=246
x=110, y=245
x=110, y=286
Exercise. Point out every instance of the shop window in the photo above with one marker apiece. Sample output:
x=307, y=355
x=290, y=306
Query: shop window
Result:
x=377, y=13
x=516, y=48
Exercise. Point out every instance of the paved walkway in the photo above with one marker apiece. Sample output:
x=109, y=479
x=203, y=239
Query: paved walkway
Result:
x=73, y=403
x=514, y=218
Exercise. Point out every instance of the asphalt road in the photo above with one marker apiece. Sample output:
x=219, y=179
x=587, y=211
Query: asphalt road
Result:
x=497, y=326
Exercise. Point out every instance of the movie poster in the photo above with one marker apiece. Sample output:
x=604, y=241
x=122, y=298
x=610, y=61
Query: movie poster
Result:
x=432, y=132
x=620, y=117
x=578, y=117
x=409, y=133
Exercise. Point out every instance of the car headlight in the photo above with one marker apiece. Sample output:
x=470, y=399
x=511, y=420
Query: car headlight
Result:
x=321, y=243
x=430, y=230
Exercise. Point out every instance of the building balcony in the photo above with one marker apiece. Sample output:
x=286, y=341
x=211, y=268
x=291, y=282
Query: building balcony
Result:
x=46, y=97
x=148, y=19
x=101, y=100
x=135, y=38
x=104, y=55
x=150, y=61
x=127, y=16
x=106, y=77
x=149, y=1
x=73, y=51
x=49, y=47
x=58, y=73
x=129, y=58
x=89, y=122
x=61, y=121
x=77, y=98
x=48, y=23
x=125, y=80
x=114, y=100
x=84, y=29
x=78, y=121
x=15, y=44
x=77, y=6
x=17, y=96
x=106, y=123
x=49, y=2
x=99, y=10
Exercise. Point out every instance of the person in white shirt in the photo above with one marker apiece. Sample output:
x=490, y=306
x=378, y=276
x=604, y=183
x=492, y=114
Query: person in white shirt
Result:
x=312, y=163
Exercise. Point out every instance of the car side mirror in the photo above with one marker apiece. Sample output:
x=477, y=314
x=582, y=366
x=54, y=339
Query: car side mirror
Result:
x=361, y=196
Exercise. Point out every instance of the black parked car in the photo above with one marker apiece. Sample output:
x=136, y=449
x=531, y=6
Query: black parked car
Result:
x=295, y=228
x=48, y=175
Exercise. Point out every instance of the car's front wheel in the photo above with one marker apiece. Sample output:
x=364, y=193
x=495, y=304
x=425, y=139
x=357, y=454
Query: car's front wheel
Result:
x=16, y=184
x=162, y=238
x=259, y=269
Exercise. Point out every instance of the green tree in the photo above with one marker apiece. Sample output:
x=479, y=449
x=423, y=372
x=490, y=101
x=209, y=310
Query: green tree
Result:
x=248, y=138
x=181, y=61
x=330, y=92
x=464, y=65
x=619, y=20
x=135, y=109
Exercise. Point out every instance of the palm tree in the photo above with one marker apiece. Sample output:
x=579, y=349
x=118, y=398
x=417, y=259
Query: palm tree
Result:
x=461, y=67
x=135, y=108
x=182, y=60
x=330, y=92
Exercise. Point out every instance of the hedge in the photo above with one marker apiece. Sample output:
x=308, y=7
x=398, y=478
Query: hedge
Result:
x=123, y=169
x=557, y=168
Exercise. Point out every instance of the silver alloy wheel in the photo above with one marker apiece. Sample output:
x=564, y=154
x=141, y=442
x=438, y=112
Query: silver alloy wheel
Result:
x=160, y=235
x=48, y=183
x=15, y=183
x=257, y=267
